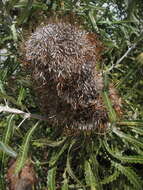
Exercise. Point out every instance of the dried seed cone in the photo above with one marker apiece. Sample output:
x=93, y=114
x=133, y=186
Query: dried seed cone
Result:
x=63, y=59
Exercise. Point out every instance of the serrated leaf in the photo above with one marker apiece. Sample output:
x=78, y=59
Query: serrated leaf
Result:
x=128, y=138
x=7, y=134
x=23, y=153
x=110, y=178
x=131, y=159
x=138, y=131
x=110, y=109
x=47, y=142
x=130, y=174
x=69, y=169
x=135, y=123
x=128, y=159
x=56, y=154
x=71, y=173
x=51, y=179
x=90, y=178
x=8, y=129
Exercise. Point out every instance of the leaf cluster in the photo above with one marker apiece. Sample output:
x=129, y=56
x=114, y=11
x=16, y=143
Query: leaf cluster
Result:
x=113, y=160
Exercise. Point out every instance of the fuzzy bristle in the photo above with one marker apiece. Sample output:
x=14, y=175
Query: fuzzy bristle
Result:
x=64, y=61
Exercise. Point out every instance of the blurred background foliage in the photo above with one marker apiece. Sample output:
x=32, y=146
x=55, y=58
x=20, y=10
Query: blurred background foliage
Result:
x=109, y=161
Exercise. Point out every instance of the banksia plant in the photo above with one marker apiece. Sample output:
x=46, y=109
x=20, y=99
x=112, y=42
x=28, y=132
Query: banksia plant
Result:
x=89, y=145
x=64, y=61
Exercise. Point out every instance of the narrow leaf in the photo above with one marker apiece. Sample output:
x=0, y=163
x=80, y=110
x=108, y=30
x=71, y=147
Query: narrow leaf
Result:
x=8, y=129
x=131, y=175
x=136, y=123
x=21, y=96
x=51, y=179
x=128, y=159
x=47, y=142
x=71, y=173
x=23, y=155
x=65, y=184
x=8, y=150
x=69, y=169
x=128, y=138
x=90, y=177
x=110, y=178
x=108, y=104
x=93, y=21
x=56, y=154
x=14, y=32
x=9, y=98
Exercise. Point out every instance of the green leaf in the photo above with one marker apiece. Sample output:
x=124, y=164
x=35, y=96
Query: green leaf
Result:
x=110, y=44
x=56, y=154
x=130, y=174
x=47, y=142
x=25, y=12
x=8, y=150
x=93, y=21
x=65, y=184
x=90, y=178
x=128, y=138
x=140, y=58
x=138, y=131
x=2, y=87
x=108, y=104
x=136, y=123
x=71, y=173
x=51, y=179
x=110, y=178
x=69, y=169
x=11, y=99
x=14, y=32
x=136, y=126
x=23, y=154
x=132, y=11
x=7, y=134
x=131, y=159
x=21, y=96
x=8, y=129
x=117, y=155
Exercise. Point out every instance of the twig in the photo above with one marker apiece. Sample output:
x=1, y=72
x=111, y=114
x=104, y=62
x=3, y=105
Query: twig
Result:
x=26, y=115
x=123, y=57
x=126, y=53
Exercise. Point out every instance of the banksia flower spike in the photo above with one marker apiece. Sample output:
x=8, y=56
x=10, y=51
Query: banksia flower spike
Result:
x=63, y=60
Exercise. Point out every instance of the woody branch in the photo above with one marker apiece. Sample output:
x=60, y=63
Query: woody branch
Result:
x=20, y=112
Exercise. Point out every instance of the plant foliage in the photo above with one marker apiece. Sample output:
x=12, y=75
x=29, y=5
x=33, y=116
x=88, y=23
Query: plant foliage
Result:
x=113, y=160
